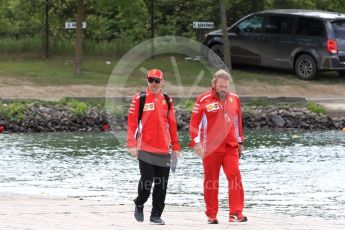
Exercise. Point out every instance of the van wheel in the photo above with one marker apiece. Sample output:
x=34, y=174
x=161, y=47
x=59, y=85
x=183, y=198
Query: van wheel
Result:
x=305, y=67
x=216, y=59
x=341, y=73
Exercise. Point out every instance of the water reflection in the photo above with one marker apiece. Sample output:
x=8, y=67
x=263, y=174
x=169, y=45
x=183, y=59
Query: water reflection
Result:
x=295, y=173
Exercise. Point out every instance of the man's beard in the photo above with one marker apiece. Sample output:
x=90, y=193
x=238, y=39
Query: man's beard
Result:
x=221, y=95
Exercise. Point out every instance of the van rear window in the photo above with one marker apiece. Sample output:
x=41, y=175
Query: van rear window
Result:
x=339, y=29
x=310, y=27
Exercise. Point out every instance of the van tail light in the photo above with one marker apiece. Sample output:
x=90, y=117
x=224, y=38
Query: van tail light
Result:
x=332, y=46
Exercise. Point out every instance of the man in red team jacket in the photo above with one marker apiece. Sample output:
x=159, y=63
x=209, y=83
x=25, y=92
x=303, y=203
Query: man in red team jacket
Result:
x=216, y=135
x=149, y=139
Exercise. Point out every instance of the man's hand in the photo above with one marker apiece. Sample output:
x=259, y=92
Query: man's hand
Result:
x=133, y=152
x=199, y=150
x=240, y=150
x=176, y=153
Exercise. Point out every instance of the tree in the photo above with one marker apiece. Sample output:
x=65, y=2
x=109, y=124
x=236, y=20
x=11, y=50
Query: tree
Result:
x=236, y=9
x=79, y=37
x=226, y=43
x=46, y=29
x=152, y=26
x=293, y=4
x=175, y=17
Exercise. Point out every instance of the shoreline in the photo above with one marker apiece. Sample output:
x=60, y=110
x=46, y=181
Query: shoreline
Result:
x=71, y=115
x=47, y=212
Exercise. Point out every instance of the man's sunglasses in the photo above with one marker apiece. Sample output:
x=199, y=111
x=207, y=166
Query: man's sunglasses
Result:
x=151, y=80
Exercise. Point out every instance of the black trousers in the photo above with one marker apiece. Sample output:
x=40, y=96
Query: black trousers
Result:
x=157, y=175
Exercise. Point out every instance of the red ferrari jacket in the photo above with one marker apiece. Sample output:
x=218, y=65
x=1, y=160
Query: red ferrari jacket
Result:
x=157, y=128
x=215, y=123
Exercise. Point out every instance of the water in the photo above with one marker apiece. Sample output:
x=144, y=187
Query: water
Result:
x=289, y=173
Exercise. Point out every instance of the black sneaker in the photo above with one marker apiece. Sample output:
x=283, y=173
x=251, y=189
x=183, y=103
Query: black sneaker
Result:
x=156, y=220
x=139, y=213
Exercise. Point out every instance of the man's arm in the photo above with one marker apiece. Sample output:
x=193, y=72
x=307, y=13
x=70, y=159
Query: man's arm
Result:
x=194, y=131
x=240, y=137
x=132, y=129
x=173, y=129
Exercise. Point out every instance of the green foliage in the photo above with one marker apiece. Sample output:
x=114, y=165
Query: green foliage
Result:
x=13, y=111
x=12, y=46
x=175, y=17
x=316, y=108
x=118, y=110
x=63, y=101
x=259, y=102
x=236, y=9
x=113, y=26
x=293, y=4
x=187, y=105
x=30, y=45
x=115, y=47
x=76, y=107
x=79, y=108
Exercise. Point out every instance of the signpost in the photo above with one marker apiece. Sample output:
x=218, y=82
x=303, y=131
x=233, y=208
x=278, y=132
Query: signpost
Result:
x=73, y=25
x=203, y=25
x=202, y=28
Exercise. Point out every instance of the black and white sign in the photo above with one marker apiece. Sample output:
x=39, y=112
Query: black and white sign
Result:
x=203, y=25
x=73, y=25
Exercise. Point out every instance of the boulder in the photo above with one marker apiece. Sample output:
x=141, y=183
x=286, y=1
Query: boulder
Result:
x=278, y=121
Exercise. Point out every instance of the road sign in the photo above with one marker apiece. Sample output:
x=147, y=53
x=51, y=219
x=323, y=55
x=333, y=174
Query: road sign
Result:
x=73, y=25
x=203, y=25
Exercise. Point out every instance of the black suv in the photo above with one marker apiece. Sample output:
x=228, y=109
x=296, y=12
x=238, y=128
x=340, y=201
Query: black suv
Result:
x=306, y=41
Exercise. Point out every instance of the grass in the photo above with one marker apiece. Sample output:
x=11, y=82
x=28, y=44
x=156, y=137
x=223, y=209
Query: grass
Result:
x=96, y=71
x=258, y=102
x=63, y=46
x=273, y=76
x=56, y=71
x=59, y=70
x=316, y=108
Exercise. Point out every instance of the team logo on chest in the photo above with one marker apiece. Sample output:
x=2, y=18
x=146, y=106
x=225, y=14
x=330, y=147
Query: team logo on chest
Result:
x=212, y=107
x=149, y=106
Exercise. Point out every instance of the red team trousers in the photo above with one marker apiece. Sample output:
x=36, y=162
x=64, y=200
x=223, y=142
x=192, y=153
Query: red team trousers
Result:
x=212, y=164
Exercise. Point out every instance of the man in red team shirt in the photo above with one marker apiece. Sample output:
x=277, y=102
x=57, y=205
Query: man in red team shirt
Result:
x=216, y=135
x=148, y=139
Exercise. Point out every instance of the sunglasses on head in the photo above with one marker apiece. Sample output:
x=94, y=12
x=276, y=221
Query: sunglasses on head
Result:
x=156, y=80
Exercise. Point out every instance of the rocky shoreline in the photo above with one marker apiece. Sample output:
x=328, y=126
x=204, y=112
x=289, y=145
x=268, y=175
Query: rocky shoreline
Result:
x=61, y=118
x=273, y=117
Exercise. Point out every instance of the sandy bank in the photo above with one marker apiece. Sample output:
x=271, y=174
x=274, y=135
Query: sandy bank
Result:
x=43, y=212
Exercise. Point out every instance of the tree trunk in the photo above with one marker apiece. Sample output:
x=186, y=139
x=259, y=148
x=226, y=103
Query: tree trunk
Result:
x=152, y=28
x=46, y=29
x=226, y=43
x=79, y=38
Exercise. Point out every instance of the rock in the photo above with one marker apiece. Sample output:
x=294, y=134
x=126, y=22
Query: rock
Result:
x=278, y=121
x=39, y=118
x=41, y=129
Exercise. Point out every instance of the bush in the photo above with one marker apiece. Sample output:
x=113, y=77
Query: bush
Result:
x=13, y=111
x=316, y=108
x=187, y=105
x=76, y=107
x=27, y=45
